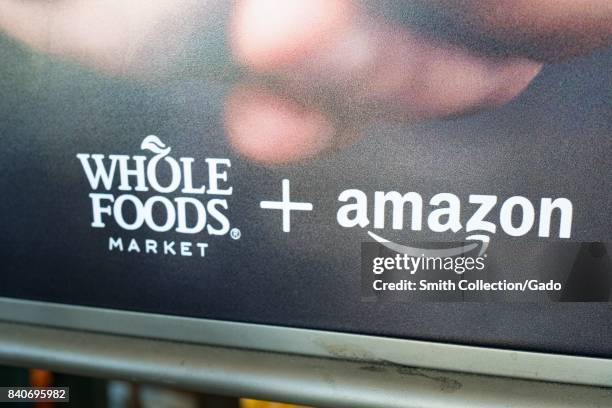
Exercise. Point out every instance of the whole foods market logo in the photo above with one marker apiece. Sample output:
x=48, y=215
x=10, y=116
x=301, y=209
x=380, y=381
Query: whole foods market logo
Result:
x=158, y=193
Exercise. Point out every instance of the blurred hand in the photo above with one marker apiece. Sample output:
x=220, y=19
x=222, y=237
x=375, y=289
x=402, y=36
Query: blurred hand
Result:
x=323, y=69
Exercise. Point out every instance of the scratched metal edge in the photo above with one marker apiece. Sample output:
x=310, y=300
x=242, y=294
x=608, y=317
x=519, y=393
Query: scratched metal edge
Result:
x=313, y=381
x=316, y=343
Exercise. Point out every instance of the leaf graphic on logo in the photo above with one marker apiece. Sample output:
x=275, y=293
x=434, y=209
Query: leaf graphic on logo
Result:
x=155, y=145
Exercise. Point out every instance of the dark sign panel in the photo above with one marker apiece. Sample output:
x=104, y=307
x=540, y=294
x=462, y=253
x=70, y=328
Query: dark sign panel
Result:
x=182, y=194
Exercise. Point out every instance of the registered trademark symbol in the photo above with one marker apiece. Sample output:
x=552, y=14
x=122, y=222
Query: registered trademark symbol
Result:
x=235, y=233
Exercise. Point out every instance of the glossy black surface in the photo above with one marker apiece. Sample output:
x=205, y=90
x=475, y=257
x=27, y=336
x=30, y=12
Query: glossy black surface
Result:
x=552, y=141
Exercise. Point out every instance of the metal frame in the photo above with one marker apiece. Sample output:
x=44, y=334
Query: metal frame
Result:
x=314, y=381
x=315, y=343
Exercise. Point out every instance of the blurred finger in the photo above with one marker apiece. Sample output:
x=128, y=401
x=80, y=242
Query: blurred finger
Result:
x=330, y=46
x=111, y=35
x=270, y=129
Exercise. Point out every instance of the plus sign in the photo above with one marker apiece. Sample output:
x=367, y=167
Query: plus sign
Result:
x=286, y=205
